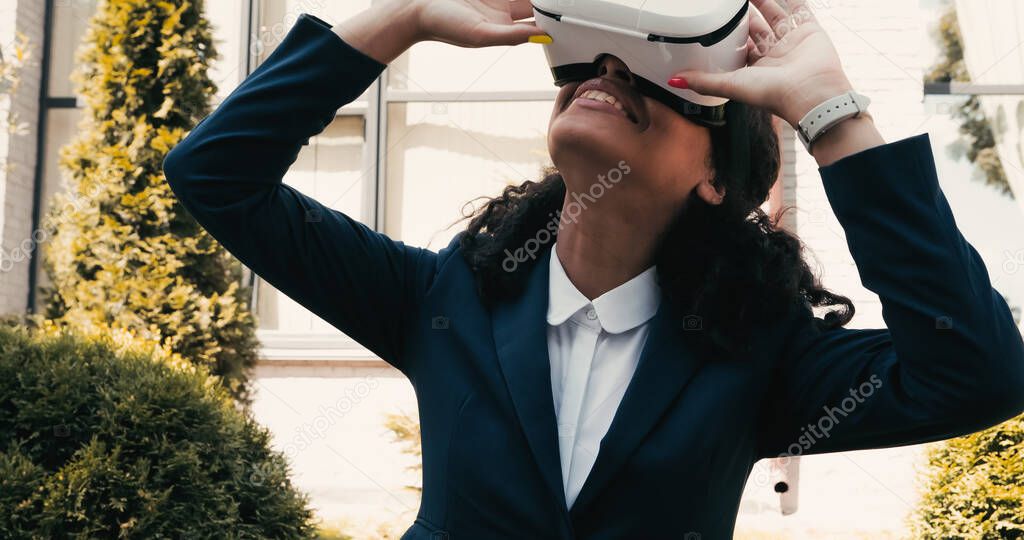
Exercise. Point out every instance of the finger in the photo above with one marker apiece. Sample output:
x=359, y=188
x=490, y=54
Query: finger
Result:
x=761, y=34
x=520, y=9
x=730, y=85
x=507, y=34
x=774, y=14
x=753, y=55
x=758, y=23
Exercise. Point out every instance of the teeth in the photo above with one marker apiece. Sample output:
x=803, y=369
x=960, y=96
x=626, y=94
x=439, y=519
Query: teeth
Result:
x=598, y=95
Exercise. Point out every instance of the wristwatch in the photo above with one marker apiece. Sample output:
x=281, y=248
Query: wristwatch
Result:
x=825, y=116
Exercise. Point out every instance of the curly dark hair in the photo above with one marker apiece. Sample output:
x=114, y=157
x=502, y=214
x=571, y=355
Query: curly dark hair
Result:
x=730, y=264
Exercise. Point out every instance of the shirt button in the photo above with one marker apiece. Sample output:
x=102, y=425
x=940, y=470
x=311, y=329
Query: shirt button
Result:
x=592, y=314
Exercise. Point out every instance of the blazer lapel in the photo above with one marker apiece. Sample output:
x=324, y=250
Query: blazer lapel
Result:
x=666, y=365
x=520, y=336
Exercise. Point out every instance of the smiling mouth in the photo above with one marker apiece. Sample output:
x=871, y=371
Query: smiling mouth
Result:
x=600, y=96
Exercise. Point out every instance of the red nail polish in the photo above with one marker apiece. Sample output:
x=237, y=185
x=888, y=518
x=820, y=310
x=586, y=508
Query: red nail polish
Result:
x=678, y=82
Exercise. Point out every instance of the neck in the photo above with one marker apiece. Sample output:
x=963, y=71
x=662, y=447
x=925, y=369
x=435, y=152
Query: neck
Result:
x=601, y=249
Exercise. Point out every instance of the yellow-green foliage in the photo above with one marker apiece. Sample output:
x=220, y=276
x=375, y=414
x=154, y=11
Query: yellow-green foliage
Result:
x=975, y=486
x=13, y=58
x=406, y=430
x=123, y=252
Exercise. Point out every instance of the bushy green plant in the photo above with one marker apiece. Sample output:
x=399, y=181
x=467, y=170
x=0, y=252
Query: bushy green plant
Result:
x=123, y=252
x=975, y=486
x=110, y=437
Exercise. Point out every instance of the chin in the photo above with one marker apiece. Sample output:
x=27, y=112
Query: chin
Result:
x=582, y=140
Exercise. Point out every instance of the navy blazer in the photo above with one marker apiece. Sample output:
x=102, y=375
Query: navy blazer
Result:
x=690, y=427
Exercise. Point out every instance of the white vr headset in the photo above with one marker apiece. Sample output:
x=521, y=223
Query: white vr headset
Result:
x=654, y=38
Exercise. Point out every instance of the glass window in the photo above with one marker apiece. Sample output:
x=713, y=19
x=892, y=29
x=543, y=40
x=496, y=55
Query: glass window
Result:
x=61, y=126
x=330, y=169
x=430, y=67
x=229, y=20
x=992, y=44
x=70, y=20
x=276, y=18
x=442, y=155
x=978, y=59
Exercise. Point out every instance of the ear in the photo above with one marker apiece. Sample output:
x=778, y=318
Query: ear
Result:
x=710, y=193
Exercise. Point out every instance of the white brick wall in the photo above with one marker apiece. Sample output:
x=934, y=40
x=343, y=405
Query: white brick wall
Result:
x=880, y=42
x=18, y=151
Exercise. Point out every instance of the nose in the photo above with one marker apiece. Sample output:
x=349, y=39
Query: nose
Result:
x=610, y=66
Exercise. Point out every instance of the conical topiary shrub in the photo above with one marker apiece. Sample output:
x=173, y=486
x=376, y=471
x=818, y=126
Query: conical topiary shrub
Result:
x=123, y=251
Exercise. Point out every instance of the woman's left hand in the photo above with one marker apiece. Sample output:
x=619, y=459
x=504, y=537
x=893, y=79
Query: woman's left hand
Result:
x=792, y=64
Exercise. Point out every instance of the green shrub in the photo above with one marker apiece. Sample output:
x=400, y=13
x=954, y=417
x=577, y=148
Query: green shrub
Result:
x=110, y=437
x=975, y=486
x=123, y=252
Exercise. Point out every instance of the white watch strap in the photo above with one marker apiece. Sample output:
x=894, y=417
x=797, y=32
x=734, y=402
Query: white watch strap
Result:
x=828, y=114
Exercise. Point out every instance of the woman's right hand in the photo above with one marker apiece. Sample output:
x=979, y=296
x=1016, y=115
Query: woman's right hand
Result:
x=477, y=23
x=387, y=29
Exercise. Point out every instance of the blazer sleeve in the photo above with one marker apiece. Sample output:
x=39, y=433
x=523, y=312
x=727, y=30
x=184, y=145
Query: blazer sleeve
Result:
x=228, y=174
x=950, y=361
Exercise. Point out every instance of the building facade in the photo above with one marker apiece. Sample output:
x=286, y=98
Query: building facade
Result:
x=444, y=126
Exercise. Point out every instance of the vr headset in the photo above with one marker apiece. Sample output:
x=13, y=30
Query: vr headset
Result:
x=654, y=38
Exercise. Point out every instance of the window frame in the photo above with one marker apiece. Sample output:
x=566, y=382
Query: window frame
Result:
x=286, y=346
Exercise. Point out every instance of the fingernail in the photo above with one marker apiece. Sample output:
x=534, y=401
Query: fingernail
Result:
x=678, y=82
x=543, y=40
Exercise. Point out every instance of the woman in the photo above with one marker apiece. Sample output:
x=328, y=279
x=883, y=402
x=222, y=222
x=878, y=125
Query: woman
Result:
x=621, y=380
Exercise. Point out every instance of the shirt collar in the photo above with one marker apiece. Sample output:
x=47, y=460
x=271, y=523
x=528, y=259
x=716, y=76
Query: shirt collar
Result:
x=621, y=309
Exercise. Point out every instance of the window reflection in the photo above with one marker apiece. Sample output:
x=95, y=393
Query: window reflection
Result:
x=330, y=169
x=70, y=20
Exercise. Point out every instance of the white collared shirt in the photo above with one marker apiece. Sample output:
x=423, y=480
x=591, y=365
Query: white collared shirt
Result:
x=594, y=348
